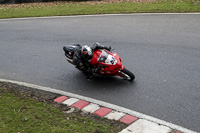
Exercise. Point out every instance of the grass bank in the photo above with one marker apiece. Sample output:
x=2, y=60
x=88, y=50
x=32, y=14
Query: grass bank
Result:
x=98, y=7
x=22, y=114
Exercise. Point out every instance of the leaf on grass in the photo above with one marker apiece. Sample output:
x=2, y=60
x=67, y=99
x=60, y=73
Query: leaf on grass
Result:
x=24, y=119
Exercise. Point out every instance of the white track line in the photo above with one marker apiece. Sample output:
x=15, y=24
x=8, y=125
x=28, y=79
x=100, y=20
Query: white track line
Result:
x=101, y=103
x=100, y=15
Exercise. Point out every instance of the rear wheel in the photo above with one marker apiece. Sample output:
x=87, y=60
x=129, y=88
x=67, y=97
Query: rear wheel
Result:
x=126, y=74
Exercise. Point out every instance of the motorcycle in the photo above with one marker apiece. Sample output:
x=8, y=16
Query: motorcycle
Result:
x=110, y=63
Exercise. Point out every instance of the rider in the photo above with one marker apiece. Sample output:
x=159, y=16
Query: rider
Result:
x=83, y=56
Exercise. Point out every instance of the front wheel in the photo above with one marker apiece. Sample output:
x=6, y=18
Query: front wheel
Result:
x=126, y=74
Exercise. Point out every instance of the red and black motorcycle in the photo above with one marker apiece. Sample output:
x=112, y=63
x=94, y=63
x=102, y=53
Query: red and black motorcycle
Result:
x=110, y=62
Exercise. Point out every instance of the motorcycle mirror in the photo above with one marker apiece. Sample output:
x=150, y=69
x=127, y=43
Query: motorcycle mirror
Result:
x=112, y=50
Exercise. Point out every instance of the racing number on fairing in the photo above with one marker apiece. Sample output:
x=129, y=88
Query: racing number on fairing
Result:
x=112, y=61
x=105, y=57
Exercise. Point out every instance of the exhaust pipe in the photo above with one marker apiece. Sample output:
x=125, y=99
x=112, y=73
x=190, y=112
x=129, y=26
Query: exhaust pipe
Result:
x=70, y=61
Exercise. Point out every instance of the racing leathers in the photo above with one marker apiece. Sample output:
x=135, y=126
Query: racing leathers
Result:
x=83, y=64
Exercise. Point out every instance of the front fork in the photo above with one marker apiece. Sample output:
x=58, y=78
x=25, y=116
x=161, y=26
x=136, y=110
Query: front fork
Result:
x=119, y=73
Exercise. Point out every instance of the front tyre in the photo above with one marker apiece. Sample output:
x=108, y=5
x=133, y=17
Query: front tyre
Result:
x=126, y=74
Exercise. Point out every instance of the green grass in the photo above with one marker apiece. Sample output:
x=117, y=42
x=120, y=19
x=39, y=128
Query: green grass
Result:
x=67, y=8
x=28, y=115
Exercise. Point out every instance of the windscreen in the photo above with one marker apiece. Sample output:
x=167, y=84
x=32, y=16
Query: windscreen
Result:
x=105, y=57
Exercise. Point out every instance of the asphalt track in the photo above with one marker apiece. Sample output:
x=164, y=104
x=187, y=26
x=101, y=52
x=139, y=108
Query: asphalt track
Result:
x=162, y=50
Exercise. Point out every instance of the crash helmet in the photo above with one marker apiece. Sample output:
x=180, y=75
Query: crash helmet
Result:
x=86, y=52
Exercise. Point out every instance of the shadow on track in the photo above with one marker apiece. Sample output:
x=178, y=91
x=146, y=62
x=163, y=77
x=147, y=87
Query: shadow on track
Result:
x=109, y=82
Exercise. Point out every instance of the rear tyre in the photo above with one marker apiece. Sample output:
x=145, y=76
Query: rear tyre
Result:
x=127, y=75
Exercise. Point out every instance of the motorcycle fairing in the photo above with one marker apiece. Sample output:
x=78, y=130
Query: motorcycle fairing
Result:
x=106, y=58
x=111, y=61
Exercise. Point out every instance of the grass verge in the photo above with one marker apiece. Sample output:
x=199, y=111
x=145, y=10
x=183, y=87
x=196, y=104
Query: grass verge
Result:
x=96, y=7
x=20, y=114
